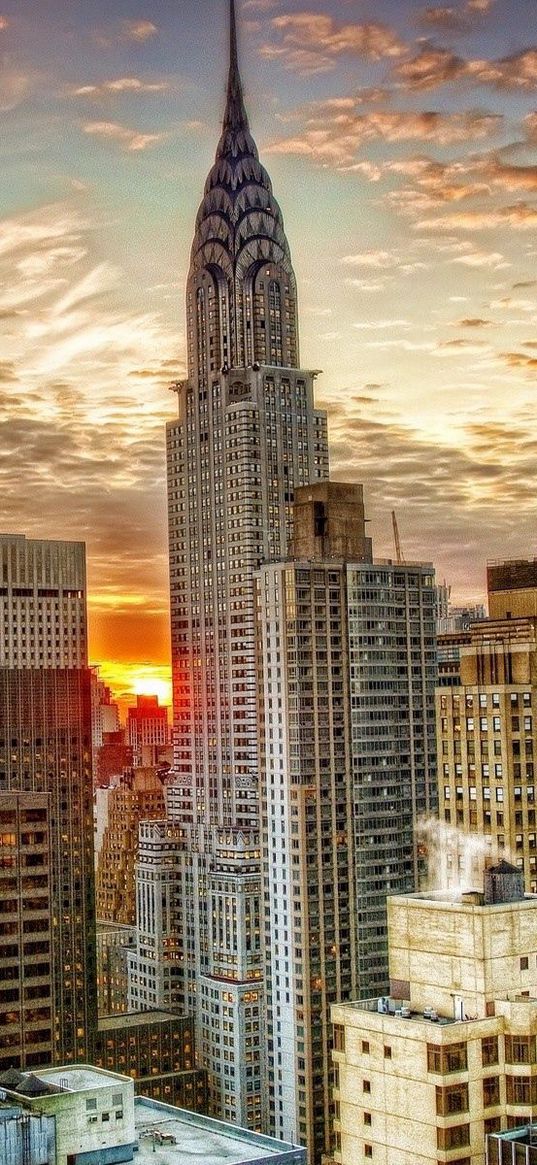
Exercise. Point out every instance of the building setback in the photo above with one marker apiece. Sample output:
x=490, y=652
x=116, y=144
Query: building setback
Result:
x=247, y=434
x=347, y=668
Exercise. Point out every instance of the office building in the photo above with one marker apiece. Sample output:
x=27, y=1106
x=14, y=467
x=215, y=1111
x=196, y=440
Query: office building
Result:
x=448, y=1056
x=114, y=941
x=155, y=966
x=247, y=434
x=148, y=733
x=47, y=970
x=138, y=796
x=347, y=676
x=486, y=718
x=156, y=1049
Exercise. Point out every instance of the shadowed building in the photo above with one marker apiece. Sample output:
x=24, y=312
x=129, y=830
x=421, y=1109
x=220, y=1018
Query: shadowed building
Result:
x=46, y=818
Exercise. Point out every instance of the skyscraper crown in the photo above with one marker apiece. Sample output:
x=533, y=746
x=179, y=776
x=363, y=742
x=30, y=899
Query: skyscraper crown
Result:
x=239, y=224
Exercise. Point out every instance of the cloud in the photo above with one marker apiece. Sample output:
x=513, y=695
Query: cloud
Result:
x=444, y=17
x=450, y=19
x=333, y=138
x=520, y=360
x=312, y=41
x=129, y=139
x=377, y=259
x=15, y=87
x=476, y=258
x=434, y=65
x=138, y=30
x=472, y=322
x=120, y=85
x=520, y=216
x=381, y=325
x=76, y=430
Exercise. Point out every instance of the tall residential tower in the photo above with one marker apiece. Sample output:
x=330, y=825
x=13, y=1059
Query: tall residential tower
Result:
x=246, y=436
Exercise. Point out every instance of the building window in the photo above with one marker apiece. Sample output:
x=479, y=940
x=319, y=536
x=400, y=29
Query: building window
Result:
x=367, y=1118
x=451, y=1058
x=339, y=1037
x=365, y=1047
x=520, y=1049
x=368, y=1150
x=366, y=1086
x=387, y=1052
x=491, y=1091
x=454, y=1137
x=521, y=1089
x=452, y=1099
x=489, y=1051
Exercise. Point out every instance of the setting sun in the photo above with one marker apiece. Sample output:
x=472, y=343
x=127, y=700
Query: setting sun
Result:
x=128, y=680
x=149, y=684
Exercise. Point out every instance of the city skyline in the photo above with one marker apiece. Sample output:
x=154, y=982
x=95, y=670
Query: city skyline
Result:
x=408, y=131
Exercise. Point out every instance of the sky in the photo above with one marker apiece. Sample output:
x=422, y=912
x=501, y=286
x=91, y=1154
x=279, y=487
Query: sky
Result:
x=401, y=141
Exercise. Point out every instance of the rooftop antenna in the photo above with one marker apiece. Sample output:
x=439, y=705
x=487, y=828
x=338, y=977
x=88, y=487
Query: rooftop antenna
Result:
x=398, y=552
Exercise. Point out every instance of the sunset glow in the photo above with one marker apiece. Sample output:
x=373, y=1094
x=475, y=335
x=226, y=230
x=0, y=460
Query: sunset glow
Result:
x=401, y=140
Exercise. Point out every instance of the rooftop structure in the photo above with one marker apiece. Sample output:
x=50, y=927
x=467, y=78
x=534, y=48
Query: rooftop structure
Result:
x=97, y=1119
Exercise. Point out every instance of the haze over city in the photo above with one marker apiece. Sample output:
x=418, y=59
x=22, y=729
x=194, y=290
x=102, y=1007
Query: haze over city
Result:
x=401, y=145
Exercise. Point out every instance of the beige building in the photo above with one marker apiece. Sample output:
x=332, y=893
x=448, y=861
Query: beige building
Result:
x=486, y=708
x=139, y=797
x=425, y=1074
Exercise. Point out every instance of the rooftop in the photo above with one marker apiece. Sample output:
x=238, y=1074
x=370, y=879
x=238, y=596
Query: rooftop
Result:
x=172, y=1136
x=78, y=1078
x=132, y=1019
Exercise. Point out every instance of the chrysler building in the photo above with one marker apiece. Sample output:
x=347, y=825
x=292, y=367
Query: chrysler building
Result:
x=246, y=436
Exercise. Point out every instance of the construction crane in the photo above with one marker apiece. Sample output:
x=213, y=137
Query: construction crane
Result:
x=398, y=552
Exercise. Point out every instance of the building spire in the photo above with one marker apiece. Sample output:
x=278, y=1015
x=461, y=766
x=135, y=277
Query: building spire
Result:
x=235, y=117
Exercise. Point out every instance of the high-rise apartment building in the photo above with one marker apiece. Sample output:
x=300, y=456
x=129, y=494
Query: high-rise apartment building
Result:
x=47, y=940
x=347, y=667
x=486, y=726
x=246, y=436
x=427, y=1072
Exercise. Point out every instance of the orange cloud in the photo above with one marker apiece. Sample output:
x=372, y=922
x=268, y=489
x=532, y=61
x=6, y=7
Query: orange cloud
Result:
x=311, y=41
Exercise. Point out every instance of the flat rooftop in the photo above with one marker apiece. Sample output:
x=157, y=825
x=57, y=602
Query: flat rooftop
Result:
x=130, y=1019
x=79, y=1078
x=171, y=1136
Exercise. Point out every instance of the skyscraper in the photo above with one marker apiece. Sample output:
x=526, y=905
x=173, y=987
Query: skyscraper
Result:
x=246, y=436
x=347, y=668
x=47, y=932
